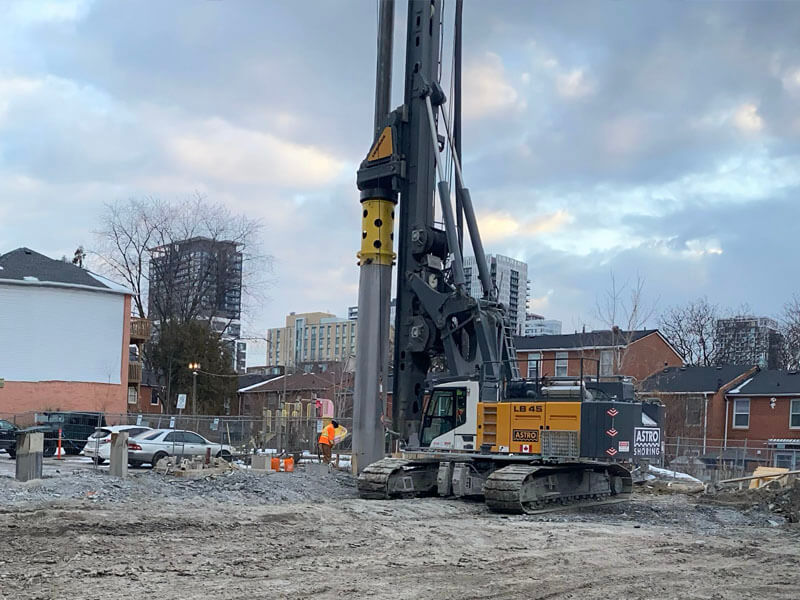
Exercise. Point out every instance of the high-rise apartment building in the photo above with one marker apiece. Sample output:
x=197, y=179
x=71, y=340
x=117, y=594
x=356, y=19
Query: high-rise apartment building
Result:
x=538, y=325
x=748, y=340
x=311, y=337
x=510, y=276
x=200, y=279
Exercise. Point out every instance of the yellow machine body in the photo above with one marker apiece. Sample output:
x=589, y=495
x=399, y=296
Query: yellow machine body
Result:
x=516, y=427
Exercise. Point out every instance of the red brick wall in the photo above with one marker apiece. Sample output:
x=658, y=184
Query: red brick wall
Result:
x=647, y=355
x=36, y=396
x=765, y=422
x=641, y=359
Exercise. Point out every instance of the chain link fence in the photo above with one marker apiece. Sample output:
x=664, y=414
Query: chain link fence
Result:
x=713, y=459
x=290, y=432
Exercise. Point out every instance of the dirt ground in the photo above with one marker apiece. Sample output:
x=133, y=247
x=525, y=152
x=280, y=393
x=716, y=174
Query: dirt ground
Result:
x=180, y=541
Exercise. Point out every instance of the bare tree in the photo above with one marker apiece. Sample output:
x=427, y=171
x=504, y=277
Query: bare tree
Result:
x=139, y=233
x=138, y=243
x=790, y=328
x=129, y=229
x=690, y=328
x=624, y=309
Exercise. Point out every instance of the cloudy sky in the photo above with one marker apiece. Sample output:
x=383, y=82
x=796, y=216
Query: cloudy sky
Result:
x=660, y=139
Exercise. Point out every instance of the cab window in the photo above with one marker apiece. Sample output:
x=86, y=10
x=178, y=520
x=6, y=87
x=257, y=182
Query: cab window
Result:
x=447, y=410
x=461, y=407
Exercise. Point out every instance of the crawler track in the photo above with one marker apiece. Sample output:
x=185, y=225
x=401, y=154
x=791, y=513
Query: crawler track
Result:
x=373, y=482
x=531, y=489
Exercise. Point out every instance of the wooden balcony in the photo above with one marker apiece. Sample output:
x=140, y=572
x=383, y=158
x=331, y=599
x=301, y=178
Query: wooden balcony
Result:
x=140, y=330
x=134, y=372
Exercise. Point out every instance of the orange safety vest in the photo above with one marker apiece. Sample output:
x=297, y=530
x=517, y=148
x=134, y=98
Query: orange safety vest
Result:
x=327, y=435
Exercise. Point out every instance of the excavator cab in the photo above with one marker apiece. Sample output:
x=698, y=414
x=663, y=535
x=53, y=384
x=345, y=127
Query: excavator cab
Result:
x=450, y=417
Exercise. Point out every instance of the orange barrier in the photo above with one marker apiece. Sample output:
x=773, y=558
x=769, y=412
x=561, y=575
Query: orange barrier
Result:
x=58, y=454
x=275, y=464
x=288, y=465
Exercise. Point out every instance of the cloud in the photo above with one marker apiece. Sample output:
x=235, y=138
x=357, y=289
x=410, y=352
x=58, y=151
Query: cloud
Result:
x=487, y=91
x=502, y=225
x=747, y=119
x=649, y=138
x=573, y=84
x=217, y=149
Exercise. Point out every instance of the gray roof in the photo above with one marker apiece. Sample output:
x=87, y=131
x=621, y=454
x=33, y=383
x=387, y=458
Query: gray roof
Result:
x=771, y=382
x=692, y=379
x=589, y=339
x=25, y=265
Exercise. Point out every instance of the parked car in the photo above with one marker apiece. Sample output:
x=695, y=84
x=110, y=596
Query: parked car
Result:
x=152, y=446
x=8, y=438
x=98, y=446
x=76, y=427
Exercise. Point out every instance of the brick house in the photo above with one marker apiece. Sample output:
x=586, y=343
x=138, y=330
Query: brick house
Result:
x=694, y=397
x=766, y=406
x=636, y=354
x=298, y=391
x=741, y=413
x=64, y=337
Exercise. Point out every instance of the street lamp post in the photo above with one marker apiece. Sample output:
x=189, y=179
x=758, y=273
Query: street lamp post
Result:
x=195, y=367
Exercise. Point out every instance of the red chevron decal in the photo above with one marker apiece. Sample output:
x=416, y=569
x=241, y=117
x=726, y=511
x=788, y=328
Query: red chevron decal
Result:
x=612, y=412
x=611, y=451
x=612, y=432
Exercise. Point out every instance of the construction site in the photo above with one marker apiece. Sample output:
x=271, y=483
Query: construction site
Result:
x=301, y=535
x=458, y=467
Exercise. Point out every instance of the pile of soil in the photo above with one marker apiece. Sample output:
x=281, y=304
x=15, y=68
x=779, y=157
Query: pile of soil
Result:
x=781, y=501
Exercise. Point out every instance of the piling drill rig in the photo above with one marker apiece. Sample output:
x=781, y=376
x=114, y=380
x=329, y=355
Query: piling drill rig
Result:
x=469, y=424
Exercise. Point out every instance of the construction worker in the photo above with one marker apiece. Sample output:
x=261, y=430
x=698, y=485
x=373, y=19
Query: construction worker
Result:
x=326, y=440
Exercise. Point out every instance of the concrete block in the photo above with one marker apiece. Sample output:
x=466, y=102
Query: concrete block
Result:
x=30, y=452
x=118, y=465
x=260, y=462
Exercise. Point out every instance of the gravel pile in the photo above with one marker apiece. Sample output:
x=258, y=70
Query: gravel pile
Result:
x=783, y=502
x=241, y=487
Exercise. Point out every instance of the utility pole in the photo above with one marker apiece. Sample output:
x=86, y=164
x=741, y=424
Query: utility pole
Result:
x=195, y=367
x=375, y=261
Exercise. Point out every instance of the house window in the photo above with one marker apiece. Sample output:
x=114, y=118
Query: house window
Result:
x=561, y=364
x=534, y=365
x=741, y=413
x=153, y=398
x=133, y=395
x=694, y=410
x=606, y=363
x=794, y=414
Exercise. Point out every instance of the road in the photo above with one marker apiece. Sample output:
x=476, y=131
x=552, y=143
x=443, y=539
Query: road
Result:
x=51, y=467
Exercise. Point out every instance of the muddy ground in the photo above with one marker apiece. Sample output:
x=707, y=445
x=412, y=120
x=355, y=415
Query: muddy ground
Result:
x=246, y=536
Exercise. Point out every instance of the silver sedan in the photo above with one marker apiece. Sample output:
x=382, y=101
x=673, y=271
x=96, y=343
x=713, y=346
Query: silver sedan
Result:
x=152, y=446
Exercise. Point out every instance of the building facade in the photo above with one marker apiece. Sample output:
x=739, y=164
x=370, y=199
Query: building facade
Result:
x=311, y=337
x=694, y=398
x=538, y=325
x=200, y=278
x=748, y=340
x=510, y=276
x=64, y=337
x=636, y=354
